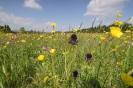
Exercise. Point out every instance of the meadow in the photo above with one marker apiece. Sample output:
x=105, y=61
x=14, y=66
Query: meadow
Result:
x=66, y=66
x=67, y=60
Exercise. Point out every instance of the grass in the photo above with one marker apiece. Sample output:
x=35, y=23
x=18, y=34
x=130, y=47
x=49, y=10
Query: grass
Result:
x=20, y=67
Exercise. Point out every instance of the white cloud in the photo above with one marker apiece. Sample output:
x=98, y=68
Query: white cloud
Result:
x=32, y=4
x=48, y=23
x=15, y=22
x=104, y=9
x=12, y=19
x=131, y=20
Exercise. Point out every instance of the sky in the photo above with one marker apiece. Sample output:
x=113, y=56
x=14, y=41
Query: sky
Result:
x=38, y=14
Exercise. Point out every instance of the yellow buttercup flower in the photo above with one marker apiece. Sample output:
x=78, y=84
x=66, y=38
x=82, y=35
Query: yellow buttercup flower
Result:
x=116, y=32
x=53, y=31
x=23, y=41
x=41, y=36
x=118, y=15
x=52, y=51
x=128, y=31
x=45, y=79
x=117, y=22
x=53, y=24
x=4, y=47
x=102, y=38
x=40, y=57
x=7, y=43
x=127, y=79
x=75, y=30
x=64, y=53
x=119, y=63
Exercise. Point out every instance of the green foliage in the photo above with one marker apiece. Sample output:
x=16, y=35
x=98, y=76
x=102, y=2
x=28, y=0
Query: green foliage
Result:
x=5, y=29
x=22, y=30
x=20, y=67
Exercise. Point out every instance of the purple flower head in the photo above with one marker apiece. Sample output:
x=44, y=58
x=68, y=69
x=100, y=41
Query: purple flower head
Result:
x=14, y=37
x=8, y=39
x=75, y=74
x=73, y=39
x=1, y=42
x=88, y=57
x=46, y=48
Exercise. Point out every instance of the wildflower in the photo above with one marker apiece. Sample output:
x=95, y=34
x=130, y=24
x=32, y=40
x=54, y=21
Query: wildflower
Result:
x=53, y=31
x=8, y=40
x=75, y=74
x=102, y=38
x=7, y=43
x=4, y=47
x=127, y=79
x=64, y=53
x=53, y=24
x=45, y=79
x=73, y=39
x=116, y=32
x=106, y=32
x=75, y=30
x=1, y=42
x=41, y=36
x=40, y=57
x=52, y=51
x=43, y=63
x=50, y=37
x=46, y=48
x=55, y=76
x=128, y=31
x=88, y=57
x=119, y=63
x=23, y=41
x=38, y=38
x=117, y=22
x=118, y=15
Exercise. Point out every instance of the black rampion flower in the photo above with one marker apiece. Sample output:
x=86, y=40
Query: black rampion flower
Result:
x=88, y=57
x=73, y=39
x=75, y=74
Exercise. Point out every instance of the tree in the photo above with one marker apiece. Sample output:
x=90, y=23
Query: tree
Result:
x=22, y=30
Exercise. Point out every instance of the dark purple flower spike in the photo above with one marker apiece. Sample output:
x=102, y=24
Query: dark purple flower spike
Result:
x=88, y=57
x=73, y=39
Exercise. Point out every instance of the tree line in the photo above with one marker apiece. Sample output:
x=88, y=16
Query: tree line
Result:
x=96, y=29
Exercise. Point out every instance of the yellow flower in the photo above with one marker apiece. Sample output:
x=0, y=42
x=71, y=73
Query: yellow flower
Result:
x=50, y=37
x=23, y=41
x=55, y=76
x=40, y=57
x=128, y=31
x=75, y=30
x=7, y=43
x=45, y=79
x=43, y=63
x=52, y=51
x=119, y=63
x=117, y=22
x=127, y=79
x=106, y=32
x=4, y=47
x=41, y=36
x=118, y=15
x=53, y=31
x=64, y=53
x=102, y=38
x=53, y=24
x=116, y=32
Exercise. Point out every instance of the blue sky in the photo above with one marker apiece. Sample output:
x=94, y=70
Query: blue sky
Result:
x=38, y=14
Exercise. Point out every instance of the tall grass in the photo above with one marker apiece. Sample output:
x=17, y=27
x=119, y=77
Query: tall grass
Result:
x=20, y=68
